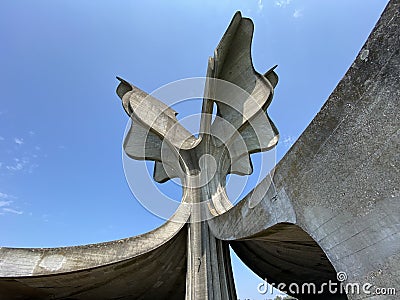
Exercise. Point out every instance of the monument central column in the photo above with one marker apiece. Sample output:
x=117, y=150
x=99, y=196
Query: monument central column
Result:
x=209, y=273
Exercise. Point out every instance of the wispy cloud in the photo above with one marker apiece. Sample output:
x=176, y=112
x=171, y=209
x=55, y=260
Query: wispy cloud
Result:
x=282, y=3
x=288, y=141
x=19, y=164
x=45, y=217
x=19, y=154
x=6, y=196
x=18, y=141
x=24, y=164
x=260, y=5
x=5, y=205
x=13, y=211
x=298, y=13
x=16, y=167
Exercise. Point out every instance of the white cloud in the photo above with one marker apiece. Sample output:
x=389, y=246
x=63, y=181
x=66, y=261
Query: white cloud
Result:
x=6, y=196
x=18, y=156
x=22, y=164
x=288, y=141
x=19, y=141
x=282, y=3
x=298, y=13
x=13, y=211
x=16, y=167
x=5, y=203
x=45, y=217
x=260, y=5
x=32, y=167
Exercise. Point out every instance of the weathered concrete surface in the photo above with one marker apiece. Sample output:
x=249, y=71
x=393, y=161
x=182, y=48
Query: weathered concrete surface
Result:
x=148, y=266
x=339, y=182
x=156, y=274
x=334, y=206
x=286, y=252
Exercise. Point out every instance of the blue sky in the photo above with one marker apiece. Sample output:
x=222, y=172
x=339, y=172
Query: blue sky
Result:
x=61, y=123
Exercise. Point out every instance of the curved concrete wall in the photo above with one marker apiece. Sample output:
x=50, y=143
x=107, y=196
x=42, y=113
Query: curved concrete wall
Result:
x=340, y=181
x=148, y=266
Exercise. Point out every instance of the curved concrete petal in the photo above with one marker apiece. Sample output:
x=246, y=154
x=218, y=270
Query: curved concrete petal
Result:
x=339, y=182
x=154, y=115
x=147, y=266
x=285, y=254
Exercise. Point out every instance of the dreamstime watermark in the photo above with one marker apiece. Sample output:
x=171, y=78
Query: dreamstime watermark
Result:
x=329, y=287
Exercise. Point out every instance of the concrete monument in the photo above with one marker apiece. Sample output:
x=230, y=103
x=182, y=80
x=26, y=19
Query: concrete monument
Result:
x=332, y=214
